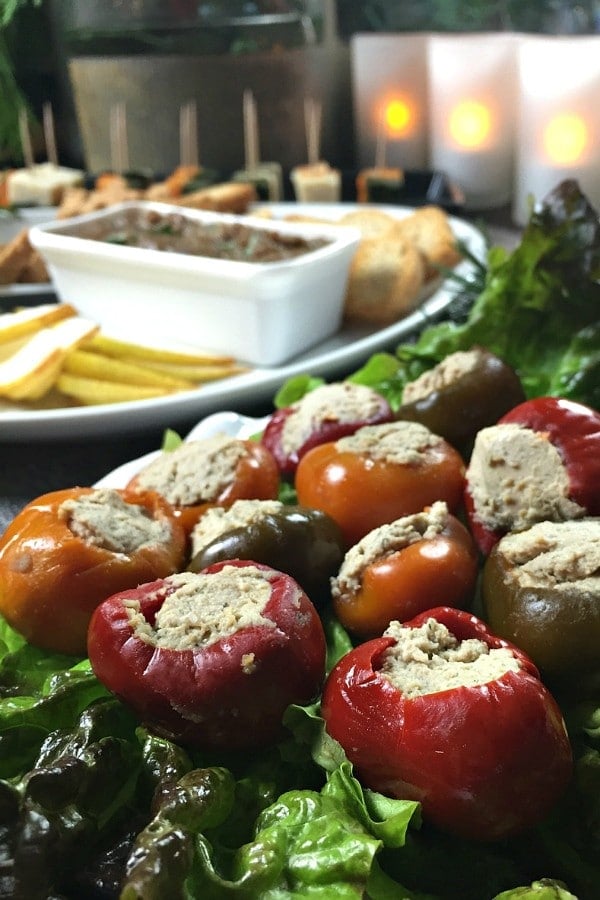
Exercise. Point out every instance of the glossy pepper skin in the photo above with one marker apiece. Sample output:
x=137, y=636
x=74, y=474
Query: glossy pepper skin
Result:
x=305, y=543
x=256, y=477
x=399, y=585
x=207, y=696
x=486, y=762
x=472, y=401
x=51, y=580
x=555, y=621
x=326, y=430
x=574, y=430
x=360, y=493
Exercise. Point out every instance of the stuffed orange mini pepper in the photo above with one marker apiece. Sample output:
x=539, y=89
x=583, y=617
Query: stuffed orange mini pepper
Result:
x=68, y=550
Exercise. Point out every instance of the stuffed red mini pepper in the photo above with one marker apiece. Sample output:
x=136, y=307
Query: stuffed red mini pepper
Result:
x=404, y=568
x=67, y=551
x=540, y=462
x=326, y=413
x=211, y=659
x=378, y=474
x=216, y=470
x=441, y=711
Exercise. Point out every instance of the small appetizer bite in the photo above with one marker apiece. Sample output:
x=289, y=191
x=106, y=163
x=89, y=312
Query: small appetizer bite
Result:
x=211, y=659
x=541, y=590
x=540, y=462
x=217, y=470
x=304, y=543
x=378, y=474
x=67, y=551
x=43, y=184
x=467, y=391
x=380, y=184
x=326, y=413
x=316, y=183
x=401, y=569
x=442, y=711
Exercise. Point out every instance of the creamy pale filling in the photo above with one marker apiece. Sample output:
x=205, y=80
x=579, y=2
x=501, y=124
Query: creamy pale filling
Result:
x=562, y=556
x=430, y=659
x=517, y=478
x=205, y=608
x=195, y=472
x=403, y=443
x=219, y=520
x=339, y=402
x=446, y=373
x=103, y=519
x=383, y=542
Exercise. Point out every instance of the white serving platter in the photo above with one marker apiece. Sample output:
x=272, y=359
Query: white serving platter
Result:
x=342, y=353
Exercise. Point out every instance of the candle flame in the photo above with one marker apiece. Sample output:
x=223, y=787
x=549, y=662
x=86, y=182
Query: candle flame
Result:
x=399, y=117
x=470, y=123
x=565, y=138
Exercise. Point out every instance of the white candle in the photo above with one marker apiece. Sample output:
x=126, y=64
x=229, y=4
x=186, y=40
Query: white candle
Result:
x=558, y=130
x=472, y=91
x=389, y=79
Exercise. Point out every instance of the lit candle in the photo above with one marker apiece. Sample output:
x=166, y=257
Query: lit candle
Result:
x=558, y=132
x=471, y=80
x=389, y=78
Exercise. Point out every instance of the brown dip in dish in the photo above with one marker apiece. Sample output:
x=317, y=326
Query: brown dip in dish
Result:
x=177, y=233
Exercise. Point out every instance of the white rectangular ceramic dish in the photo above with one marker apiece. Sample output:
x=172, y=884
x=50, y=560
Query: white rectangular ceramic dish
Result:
x=263, y=313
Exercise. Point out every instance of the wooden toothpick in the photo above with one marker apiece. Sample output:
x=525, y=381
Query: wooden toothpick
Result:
x=251, y=151
x=313, y=113
x=25, y=136
x=381, y=143
x=49, y=133
x=188, y=134
x=119, y=151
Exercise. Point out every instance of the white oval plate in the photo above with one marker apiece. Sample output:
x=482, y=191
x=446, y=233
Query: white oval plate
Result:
x=340, y=354
x=230, y=423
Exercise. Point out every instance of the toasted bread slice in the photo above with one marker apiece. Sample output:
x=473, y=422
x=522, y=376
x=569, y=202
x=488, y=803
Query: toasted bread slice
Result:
x=234, y=197
x=14, y=256
x=429, y=229
x=386, y=277
x=35, y=271
x=370, y=222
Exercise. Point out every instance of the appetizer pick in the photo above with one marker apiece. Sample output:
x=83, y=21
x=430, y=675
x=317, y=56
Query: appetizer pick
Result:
x=381, y=183
x=442, y=711
x=265, y=177
x=317, y=181
x=67, y=551
x=42, y=184
x=211, y=659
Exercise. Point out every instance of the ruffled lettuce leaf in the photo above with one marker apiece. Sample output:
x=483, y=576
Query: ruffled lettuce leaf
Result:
x=539, y=309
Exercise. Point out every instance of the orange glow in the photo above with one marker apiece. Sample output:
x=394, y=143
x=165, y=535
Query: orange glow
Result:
x=399, y=117
x=565, y=139
x=470, y=124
